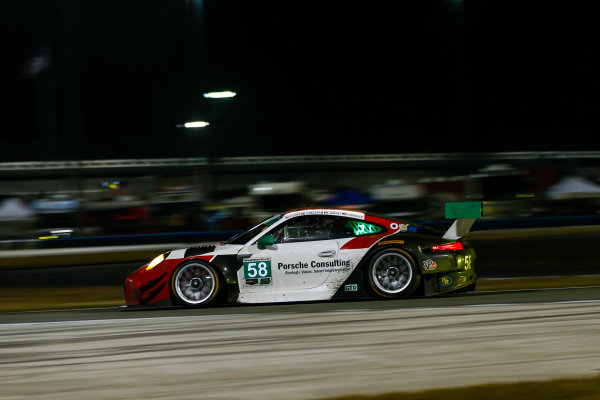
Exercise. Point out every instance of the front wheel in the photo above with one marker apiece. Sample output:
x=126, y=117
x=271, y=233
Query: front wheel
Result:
x=195, y=284
x=392, y=274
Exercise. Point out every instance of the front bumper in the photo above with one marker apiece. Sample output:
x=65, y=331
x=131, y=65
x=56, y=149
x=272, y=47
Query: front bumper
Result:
x=148, y=287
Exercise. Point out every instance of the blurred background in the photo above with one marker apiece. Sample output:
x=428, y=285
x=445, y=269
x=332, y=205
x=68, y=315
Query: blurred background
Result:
x=392, y=107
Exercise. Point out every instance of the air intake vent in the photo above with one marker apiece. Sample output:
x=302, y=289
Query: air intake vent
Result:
x=199, y=250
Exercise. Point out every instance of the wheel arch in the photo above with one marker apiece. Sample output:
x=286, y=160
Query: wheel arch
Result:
x=221, y=291
x=410, y=250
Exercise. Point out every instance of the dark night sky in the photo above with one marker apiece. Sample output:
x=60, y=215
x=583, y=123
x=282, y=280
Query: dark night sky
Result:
x=334, y=77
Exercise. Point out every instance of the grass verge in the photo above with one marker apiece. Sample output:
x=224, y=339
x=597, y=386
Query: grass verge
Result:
x=35, y=299
x=560, y=389
x=537, y=282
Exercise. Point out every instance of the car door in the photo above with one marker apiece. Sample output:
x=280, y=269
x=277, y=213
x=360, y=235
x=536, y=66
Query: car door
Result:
x=303, y=255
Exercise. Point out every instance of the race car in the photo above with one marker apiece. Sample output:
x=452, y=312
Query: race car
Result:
x=311, y=254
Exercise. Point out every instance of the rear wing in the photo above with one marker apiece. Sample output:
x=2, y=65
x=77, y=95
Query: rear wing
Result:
x=465, y=213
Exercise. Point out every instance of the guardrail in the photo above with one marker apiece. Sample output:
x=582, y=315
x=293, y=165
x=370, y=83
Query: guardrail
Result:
x=116, y=240
x=297, y=159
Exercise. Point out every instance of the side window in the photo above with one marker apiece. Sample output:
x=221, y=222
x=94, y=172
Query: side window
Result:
x=360, y=228
x=301, y=229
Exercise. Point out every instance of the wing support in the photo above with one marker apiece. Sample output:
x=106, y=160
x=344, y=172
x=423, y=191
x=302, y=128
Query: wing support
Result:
x=465, y=213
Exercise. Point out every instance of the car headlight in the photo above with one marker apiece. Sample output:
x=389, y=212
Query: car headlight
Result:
x=155, y=262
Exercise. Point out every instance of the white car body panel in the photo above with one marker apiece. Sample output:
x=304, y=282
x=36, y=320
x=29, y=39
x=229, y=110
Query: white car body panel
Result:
x=175, y=254
x=314, y=281
x=299, y=272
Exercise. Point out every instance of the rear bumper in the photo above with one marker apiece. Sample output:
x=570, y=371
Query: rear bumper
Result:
x=457, y=273
x=448, y=282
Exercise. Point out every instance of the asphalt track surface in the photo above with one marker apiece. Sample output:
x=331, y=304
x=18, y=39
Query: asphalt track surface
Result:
x=301, y=351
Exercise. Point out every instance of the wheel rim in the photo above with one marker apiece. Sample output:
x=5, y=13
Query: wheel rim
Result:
x=195, y=283
x=392, y=273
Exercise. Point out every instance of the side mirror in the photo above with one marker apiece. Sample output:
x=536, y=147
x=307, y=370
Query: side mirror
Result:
x=267, y=240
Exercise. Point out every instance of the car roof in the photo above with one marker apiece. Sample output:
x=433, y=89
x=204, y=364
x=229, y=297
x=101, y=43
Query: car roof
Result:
x=325, y=211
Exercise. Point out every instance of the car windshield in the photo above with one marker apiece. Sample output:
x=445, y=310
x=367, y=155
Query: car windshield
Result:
x=245, y=236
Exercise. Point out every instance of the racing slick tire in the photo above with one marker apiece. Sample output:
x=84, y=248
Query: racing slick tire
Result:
x=392, y=274
x=196, y=283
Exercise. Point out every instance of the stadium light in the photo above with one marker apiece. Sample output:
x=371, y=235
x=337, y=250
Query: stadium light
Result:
x=194, y=124
x=226, y=94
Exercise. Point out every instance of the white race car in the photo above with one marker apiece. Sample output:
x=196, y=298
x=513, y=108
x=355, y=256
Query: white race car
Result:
x=310, y=255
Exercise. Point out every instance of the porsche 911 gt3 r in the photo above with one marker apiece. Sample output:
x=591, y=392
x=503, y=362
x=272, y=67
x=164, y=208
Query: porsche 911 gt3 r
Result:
x=310, y=255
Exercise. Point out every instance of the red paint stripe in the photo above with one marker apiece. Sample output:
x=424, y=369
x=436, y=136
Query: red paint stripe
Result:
x=363, y=242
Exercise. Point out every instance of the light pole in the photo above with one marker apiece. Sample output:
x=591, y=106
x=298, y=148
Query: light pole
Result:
x=201, y=178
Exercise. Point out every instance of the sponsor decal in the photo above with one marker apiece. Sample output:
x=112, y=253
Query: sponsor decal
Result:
x=445, y=281
x=328, y=264
x=343, y=213
x=351, y=287
x=403, y=227
x=363, y=242
x=261, y=281
x=256, y=268
x=314, y=267
x=383, y=243
x=314, y=264
x=429, y=265
x=298, y=265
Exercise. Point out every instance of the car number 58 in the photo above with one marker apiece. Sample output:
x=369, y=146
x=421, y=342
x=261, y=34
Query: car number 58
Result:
x=257, y=269
x=468, y=261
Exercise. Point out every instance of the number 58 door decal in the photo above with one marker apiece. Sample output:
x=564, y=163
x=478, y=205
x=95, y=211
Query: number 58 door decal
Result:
x=257, y=268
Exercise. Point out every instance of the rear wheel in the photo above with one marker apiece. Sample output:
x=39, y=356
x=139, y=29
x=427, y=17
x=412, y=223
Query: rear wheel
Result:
x=195, y=284
x=392, y=274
